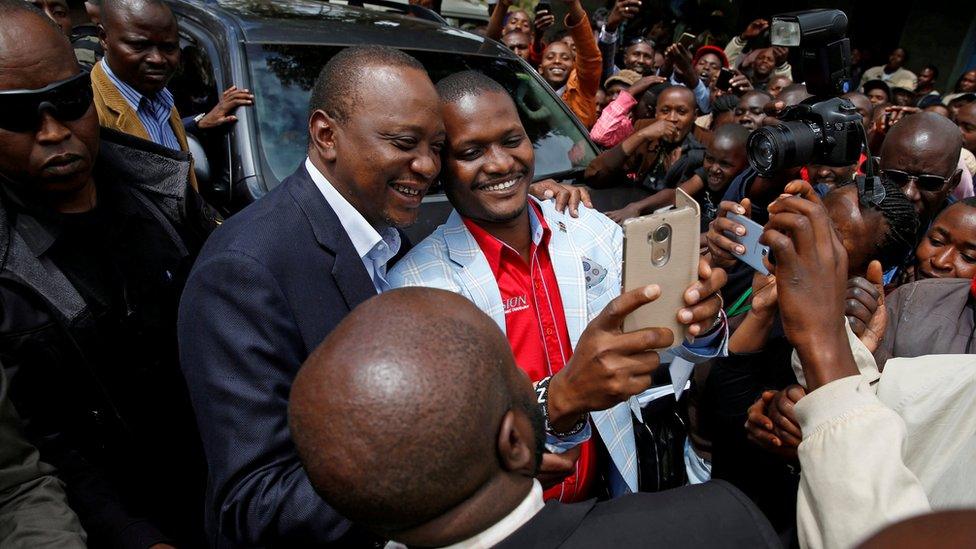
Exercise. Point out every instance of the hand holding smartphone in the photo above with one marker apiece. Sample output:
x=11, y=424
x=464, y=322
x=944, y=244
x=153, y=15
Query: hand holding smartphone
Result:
x=543, y=8
x=663, y=249
x=724, y=80
x=755, y=252
x=687, y=40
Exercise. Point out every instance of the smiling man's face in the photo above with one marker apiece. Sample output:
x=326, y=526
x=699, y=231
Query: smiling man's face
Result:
x=489, y=161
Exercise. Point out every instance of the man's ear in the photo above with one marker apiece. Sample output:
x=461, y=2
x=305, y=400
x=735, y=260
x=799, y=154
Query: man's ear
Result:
x=954, y=180
x=321, y=130
x=101, y=37
x=516, y=453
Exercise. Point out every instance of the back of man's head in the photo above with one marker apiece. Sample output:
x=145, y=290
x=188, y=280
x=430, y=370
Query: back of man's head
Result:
x=336, y=90
x=397, y=415
x=731, y=136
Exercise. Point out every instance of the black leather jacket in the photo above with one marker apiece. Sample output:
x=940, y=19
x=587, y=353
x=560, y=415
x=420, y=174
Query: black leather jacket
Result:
x=108, y=407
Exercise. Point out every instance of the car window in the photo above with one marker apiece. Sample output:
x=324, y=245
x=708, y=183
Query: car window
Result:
x=283, y=76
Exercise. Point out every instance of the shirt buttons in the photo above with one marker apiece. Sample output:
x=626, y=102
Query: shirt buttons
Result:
x=548, y=331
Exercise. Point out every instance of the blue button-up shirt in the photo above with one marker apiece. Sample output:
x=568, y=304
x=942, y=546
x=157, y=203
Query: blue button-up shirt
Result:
x=153, y=112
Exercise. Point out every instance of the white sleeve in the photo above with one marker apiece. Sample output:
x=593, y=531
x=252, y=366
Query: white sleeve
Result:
x=854, y=479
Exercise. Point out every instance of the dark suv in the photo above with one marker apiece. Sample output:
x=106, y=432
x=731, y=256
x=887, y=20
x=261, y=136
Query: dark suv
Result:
x=276, y=48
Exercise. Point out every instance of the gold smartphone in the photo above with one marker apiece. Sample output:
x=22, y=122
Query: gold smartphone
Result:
x=662, y=248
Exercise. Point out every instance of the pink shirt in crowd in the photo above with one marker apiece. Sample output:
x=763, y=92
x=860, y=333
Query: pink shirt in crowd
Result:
x=614, y=124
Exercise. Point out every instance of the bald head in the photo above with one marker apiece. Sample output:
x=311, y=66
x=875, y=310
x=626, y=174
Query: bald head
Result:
x=924, y=144
x=396, y=416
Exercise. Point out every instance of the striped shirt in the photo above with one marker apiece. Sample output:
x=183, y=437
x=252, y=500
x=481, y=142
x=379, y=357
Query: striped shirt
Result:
x=153, y=112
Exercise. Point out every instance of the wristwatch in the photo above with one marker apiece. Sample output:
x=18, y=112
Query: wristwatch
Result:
x=542, y=397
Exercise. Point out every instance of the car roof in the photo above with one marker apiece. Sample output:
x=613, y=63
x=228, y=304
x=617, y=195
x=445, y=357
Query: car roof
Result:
x=324, y=23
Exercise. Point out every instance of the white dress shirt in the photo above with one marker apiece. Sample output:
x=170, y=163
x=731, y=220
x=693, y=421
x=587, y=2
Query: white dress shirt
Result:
x=881, y=447
x=374, y=249
x=497, y=532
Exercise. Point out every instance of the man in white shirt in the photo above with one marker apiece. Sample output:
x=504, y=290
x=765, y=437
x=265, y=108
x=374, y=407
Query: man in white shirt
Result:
x=876, y=448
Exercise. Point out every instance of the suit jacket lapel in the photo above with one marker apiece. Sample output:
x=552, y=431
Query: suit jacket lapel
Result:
x=568, y=266
x=126, y=119
x=348, y=271
x=480, y=282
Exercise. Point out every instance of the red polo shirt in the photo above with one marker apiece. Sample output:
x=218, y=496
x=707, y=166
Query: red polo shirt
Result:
x=536, y=327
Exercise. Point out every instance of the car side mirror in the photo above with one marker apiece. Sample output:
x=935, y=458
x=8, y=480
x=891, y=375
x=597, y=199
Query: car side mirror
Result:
x=201, y=166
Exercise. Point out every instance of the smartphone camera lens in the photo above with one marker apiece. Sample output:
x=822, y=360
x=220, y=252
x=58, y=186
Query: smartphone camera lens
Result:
x=663, y=233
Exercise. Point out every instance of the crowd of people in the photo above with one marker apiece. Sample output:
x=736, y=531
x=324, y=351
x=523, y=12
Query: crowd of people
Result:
x=300, y=374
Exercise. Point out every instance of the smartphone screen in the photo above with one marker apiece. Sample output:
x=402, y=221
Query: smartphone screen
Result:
x=724, y=80
x=755, y=252
x=687, y=40
x=542, y=8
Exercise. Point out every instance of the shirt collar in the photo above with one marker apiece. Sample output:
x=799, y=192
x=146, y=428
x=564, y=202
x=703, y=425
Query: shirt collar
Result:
x=493, y=247
x=364, y=236
x=132, y=96
x=497, y=533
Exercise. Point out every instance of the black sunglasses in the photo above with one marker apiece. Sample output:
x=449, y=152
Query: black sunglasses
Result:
x=925, y=182
x=67, y=100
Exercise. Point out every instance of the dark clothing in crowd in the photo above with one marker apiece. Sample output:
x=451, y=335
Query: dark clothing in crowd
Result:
x=649, y=163
x=734, y=383
x=661, y=519
x=935, y=316
x=252, y=312
x=87, y=46
x=88, y=339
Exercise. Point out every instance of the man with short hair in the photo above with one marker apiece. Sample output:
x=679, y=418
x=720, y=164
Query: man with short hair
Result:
x=254, y=309
x=878, y=92
x=142, y=53
x=926, y=81
x=893, y=73
x=543, y=277
x=519, y=42
x=97, y=233
x=750, y=110
x=469, y=479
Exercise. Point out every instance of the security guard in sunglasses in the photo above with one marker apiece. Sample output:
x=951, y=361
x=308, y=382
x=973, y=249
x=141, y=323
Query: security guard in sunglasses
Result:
x=97, y=232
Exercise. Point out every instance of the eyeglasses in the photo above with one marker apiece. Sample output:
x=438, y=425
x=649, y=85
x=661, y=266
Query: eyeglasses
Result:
x=925, y=182
x=67, y=100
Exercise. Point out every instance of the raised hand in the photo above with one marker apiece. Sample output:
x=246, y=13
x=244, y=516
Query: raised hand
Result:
x=722, y=250
x=609, y=365
x=811, y=280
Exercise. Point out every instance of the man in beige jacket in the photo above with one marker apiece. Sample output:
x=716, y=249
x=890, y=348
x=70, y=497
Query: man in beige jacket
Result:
x=876, y=448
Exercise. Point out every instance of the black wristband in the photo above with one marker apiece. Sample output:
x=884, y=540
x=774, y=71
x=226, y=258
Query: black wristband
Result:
x=542, y=398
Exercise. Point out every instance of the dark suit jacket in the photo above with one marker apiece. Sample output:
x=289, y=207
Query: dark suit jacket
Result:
x=714, y=514
x=267, y=288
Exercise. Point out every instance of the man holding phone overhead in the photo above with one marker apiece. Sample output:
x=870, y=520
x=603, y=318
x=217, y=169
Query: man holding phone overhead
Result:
x=549, y=281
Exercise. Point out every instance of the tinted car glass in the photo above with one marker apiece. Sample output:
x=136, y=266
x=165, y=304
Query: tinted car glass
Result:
x=283, y=76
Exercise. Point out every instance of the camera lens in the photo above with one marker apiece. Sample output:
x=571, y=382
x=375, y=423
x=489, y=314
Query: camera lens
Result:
x=662, y=233
x=785, y=145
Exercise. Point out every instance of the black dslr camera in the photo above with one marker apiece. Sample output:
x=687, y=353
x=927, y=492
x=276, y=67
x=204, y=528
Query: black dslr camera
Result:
x=823, y=129
x=828, y=132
